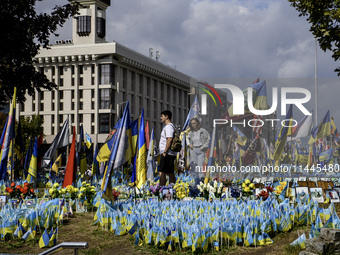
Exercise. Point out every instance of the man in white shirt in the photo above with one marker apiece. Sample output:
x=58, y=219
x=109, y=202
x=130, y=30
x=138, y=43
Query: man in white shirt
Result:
x=166, y=166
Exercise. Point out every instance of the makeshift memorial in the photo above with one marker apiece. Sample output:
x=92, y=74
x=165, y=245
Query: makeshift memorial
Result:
x=87, y=192
x=71, y=192
x=54, y=191
x=234, y=192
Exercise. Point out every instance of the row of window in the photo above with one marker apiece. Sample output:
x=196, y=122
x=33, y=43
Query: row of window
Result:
x=84, y=26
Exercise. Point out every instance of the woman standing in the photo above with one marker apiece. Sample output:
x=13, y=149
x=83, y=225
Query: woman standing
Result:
x=198, y=141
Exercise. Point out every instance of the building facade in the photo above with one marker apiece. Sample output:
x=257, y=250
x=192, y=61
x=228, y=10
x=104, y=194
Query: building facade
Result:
x=96, y=78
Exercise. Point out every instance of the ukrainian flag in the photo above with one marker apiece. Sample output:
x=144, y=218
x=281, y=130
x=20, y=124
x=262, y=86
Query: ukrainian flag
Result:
x=284, y=132
x=33, y=168
x=57, y=164
x=119, y=152
x=82, y=152
x=88, y=140
x=321, y=130
x=334, y=130
x=9, y=134
x=241, y=138
x=104, y=152
x=193, y=113
x=141, y=154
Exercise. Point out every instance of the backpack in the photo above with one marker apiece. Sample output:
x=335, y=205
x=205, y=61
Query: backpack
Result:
x=176, y=144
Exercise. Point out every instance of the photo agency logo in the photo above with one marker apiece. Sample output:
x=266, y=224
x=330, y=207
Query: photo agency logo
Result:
x=253, y=101
x=204, y=107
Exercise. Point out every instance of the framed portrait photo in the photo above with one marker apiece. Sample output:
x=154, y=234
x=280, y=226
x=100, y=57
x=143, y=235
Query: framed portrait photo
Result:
x=3, y=200
x=333, y=195
x=317, y=194
x=168, y=194
x=301, y=192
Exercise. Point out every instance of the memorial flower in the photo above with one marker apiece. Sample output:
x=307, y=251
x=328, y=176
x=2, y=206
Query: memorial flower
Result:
x=247, y=188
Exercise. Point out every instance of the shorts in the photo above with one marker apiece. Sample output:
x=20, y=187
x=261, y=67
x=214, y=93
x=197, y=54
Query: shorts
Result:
x=167, y=164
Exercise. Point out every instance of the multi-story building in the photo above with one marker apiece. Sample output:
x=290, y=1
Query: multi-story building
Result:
x=96, y=78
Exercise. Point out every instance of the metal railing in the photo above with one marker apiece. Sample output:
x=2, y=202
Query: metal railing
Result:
x=66, y=245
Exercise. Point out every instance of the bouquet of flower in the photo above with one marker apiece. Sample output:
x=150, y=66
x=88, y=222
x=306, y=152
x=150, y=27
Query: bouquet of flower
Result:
x=55, y=191
x=71, y=192
x=156, y=189
x=181, y=189
x=115, y=194
x=214, y=189
x=247, y=188
x=17, y=191
x=87, y=192
x=265, y=193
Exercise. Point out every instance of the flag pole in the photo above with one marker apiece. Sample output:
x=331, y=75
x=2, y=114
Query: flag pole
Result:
x=316, y=85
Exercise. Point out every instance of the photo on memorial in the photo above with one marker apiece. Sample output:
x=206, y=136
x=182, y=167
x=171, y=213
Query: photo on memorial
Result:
x=335, y=181
x=301, y=192
x=256, y=180
x=29, y=203
x=259, y=190
x=292, y=194
x=152, y=199
x=317, y=194
x=168, y=194
x=333, y=195
x=302, y=179
x=313, y=179
x=3, y=200
x=187, y=199
x=324, y=179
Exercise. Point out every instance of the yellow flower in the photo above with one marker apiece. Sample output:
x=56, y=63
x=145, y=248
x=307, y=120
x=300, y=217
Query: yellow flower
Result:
x=50, y=191
x=243, y=185
x=56, y=185
x=252, y=186
x=246, y=189
x=247, y=181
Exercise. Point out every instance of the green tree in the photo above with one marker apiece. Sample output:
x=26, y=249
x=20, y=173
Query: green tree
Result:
x=324, y=17
x=21, y=26
x=31, y=127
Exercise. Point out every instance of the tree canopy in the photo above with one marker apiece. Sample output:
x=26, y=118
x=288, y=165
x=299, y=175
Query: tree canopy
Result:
x=324, y=17
x=21, y=28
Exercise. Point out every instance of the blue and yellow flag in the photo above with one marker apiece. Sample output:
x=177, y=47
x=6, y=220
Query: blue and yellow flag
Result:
x=334, y=130
x=8, y=136
x=105, y=150
x=194, y=112
x=95, y=165
x=120, y=152
x=141, y=154
x=33, y=168
x=285, y=131
x=88, y=140
x=241, y=139
x=57, y=164
x=82, y=152
x=322, y=129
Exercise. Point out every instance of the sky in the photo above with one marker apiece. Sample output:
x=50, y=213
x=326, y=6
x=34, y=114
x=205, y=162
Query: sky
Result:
x=225, y=41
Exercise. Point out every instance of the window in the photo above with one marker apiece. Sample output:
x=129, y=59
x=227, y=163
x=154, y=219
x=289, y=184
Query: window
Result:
x=106, y=74
x=133, y=74
x=148, y=86
x=53, y=70
x=92, y=129
x=92, y=105
x=92, y=117
x=72, y=82
x=124, y=78
x=41, y=106
x=41, y=70
x=72, y=118
x=61, y=70
x=61, y=106
x=33, y=107
x=80, y=69
x=105, y=99
x=100, y=27
x=84, y=25
x=52, y=131
x=22, y=107
x=72, y=94
x=80, y=118
x=81, y=105
x=92, y=80
x=60, y=116
x=155, y=87
x=81, y=81
x=41, y=94
x=61, y=94
x=72, y=106
x=52, y=106
x=80, y=93
x=61, y=82
x=92, y=69
x=104, y=123
x=72, y=70
x=52, y=118
x=92, y=93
